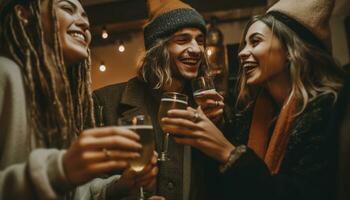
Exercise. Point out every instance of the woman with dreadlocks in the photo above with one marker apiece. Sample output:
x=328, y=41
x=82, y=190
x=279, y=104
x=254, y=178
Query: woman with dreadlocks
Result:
x=45, y=104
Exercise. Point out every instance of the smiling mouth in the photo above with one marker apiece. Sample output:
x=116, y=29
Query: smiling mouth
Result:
x=81, y=38
x=193, y=62
x=249, y=67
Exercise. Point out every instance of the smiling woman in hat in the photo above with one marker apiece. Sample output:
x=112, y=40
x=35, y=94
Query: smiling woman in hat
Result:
x=45, y=105
x=277, y=146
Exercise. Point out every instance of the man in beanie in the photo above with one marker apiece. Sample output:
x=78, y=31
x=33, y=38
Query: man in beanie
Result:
x=174, y=42
x=278, y=146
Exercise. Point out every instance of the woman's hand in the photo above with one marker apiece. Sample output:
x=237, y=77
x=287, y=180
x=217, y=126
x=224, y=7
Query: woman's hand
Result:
x=98, y=151
x=145, y=178
x=212, y=104
x=198, y=131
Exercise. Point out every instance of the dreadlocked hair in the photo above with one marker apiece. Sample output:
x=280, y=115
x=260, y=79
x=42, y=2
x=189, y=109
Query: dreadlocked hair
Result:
x=58, y=96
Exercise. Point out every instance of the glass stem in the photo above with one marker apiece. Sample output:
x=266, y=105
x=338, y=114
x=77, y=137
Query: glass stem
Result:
x=164, y=154
x=142, y=196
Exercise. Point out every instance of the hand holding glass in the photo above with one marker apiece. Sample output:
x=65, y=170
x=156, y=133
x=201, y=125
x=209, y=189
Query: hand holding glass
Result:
x=170, y=100
x=142, y=125
x=199, y=85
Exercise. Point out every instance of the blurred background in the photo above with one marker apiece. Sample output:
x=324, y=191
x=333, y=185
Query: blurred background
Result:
x=118, y=40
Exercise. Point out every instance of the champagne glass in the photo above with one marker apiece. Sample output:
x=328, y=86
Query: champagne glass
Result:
x=142, y=125
x=199, y=85
x=169, y=100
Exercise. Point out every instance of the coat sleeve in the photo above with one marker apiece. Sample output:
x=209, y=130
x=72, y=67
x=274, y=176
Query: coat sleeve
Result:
x=307, y=171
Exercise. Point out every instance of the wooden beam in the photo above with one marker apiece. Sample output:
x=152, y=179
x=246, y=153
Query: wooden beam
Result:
x=222, y=5
x=117, y=12
x=123, y=17
x=135, y=10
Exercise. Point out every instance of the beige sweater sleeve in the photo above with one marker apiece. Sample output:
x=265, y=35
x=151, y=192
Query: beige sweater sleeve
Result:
x=27, y=171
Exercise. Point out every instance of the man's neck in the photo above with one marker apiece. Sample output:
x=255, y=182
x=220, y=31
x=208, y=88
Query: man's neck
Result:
x=176, y=86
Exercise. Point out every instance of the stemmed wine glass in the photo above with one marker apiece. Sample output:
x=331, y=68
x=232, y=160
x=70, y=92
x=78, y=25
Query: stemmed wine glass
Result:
x=169, y=100
x=142, y=125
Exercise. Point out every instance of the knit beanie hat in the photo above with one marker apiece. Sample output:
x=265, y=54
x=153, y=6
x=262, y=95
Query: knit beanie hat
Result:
x=309, y=19
x=167, y=17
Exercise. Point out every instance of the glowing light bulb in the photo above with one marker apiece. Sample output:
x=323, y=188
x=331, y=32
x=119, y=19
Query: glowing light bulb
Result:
x=121, y=48
x=209, y=52
x=102, y=67
x=104, y=33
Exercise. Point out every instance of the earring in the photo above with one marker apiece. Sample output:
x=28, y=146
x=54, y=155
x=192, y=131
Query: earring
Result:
x=23, y=19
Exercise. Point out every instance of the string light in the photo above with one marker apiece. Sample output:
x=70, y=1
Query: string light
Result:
x=102, y=67
x=104, y=33
x=209, y=52
x=121, y=47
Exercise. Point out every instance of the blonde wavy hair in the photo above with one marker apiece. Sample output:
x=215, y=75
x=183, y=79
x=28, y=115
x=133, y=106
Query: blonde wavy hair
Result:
x=313, y=71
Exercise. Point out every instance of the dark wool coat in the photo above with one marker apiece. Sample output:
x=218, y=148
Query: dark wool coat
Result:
x=136, y=97
x=307, y=171
x=340, y=123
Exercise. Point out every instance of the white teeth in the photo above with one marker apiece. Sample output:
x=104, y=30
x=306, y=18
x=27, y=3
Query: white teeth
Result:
x=78, y=35
x=249, y=65
x=190, y=61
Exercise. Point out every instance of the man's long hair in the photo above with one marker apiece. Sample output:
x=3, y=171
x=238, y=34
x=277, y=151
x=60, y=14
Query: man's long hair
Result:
x=155, y=65
x=58, y=96
x=313, y=71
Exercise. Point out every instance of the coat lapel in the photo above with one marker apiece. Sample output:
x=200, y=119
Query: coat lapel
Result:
x=139, y=99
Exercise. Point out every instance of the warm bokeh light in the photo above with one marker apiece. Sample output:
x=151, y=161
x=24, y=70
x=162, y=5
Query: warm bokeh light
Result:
x=104, y=34
x=102, y=67
x=209, y=52
x=121, y=48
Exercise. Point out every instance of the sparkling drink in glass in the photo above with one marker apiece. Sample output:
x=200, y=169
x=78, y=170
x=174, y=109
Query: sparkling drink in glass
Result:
x=199, y=85
x=170, y=100
x=142, y=125
x=147, y=140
